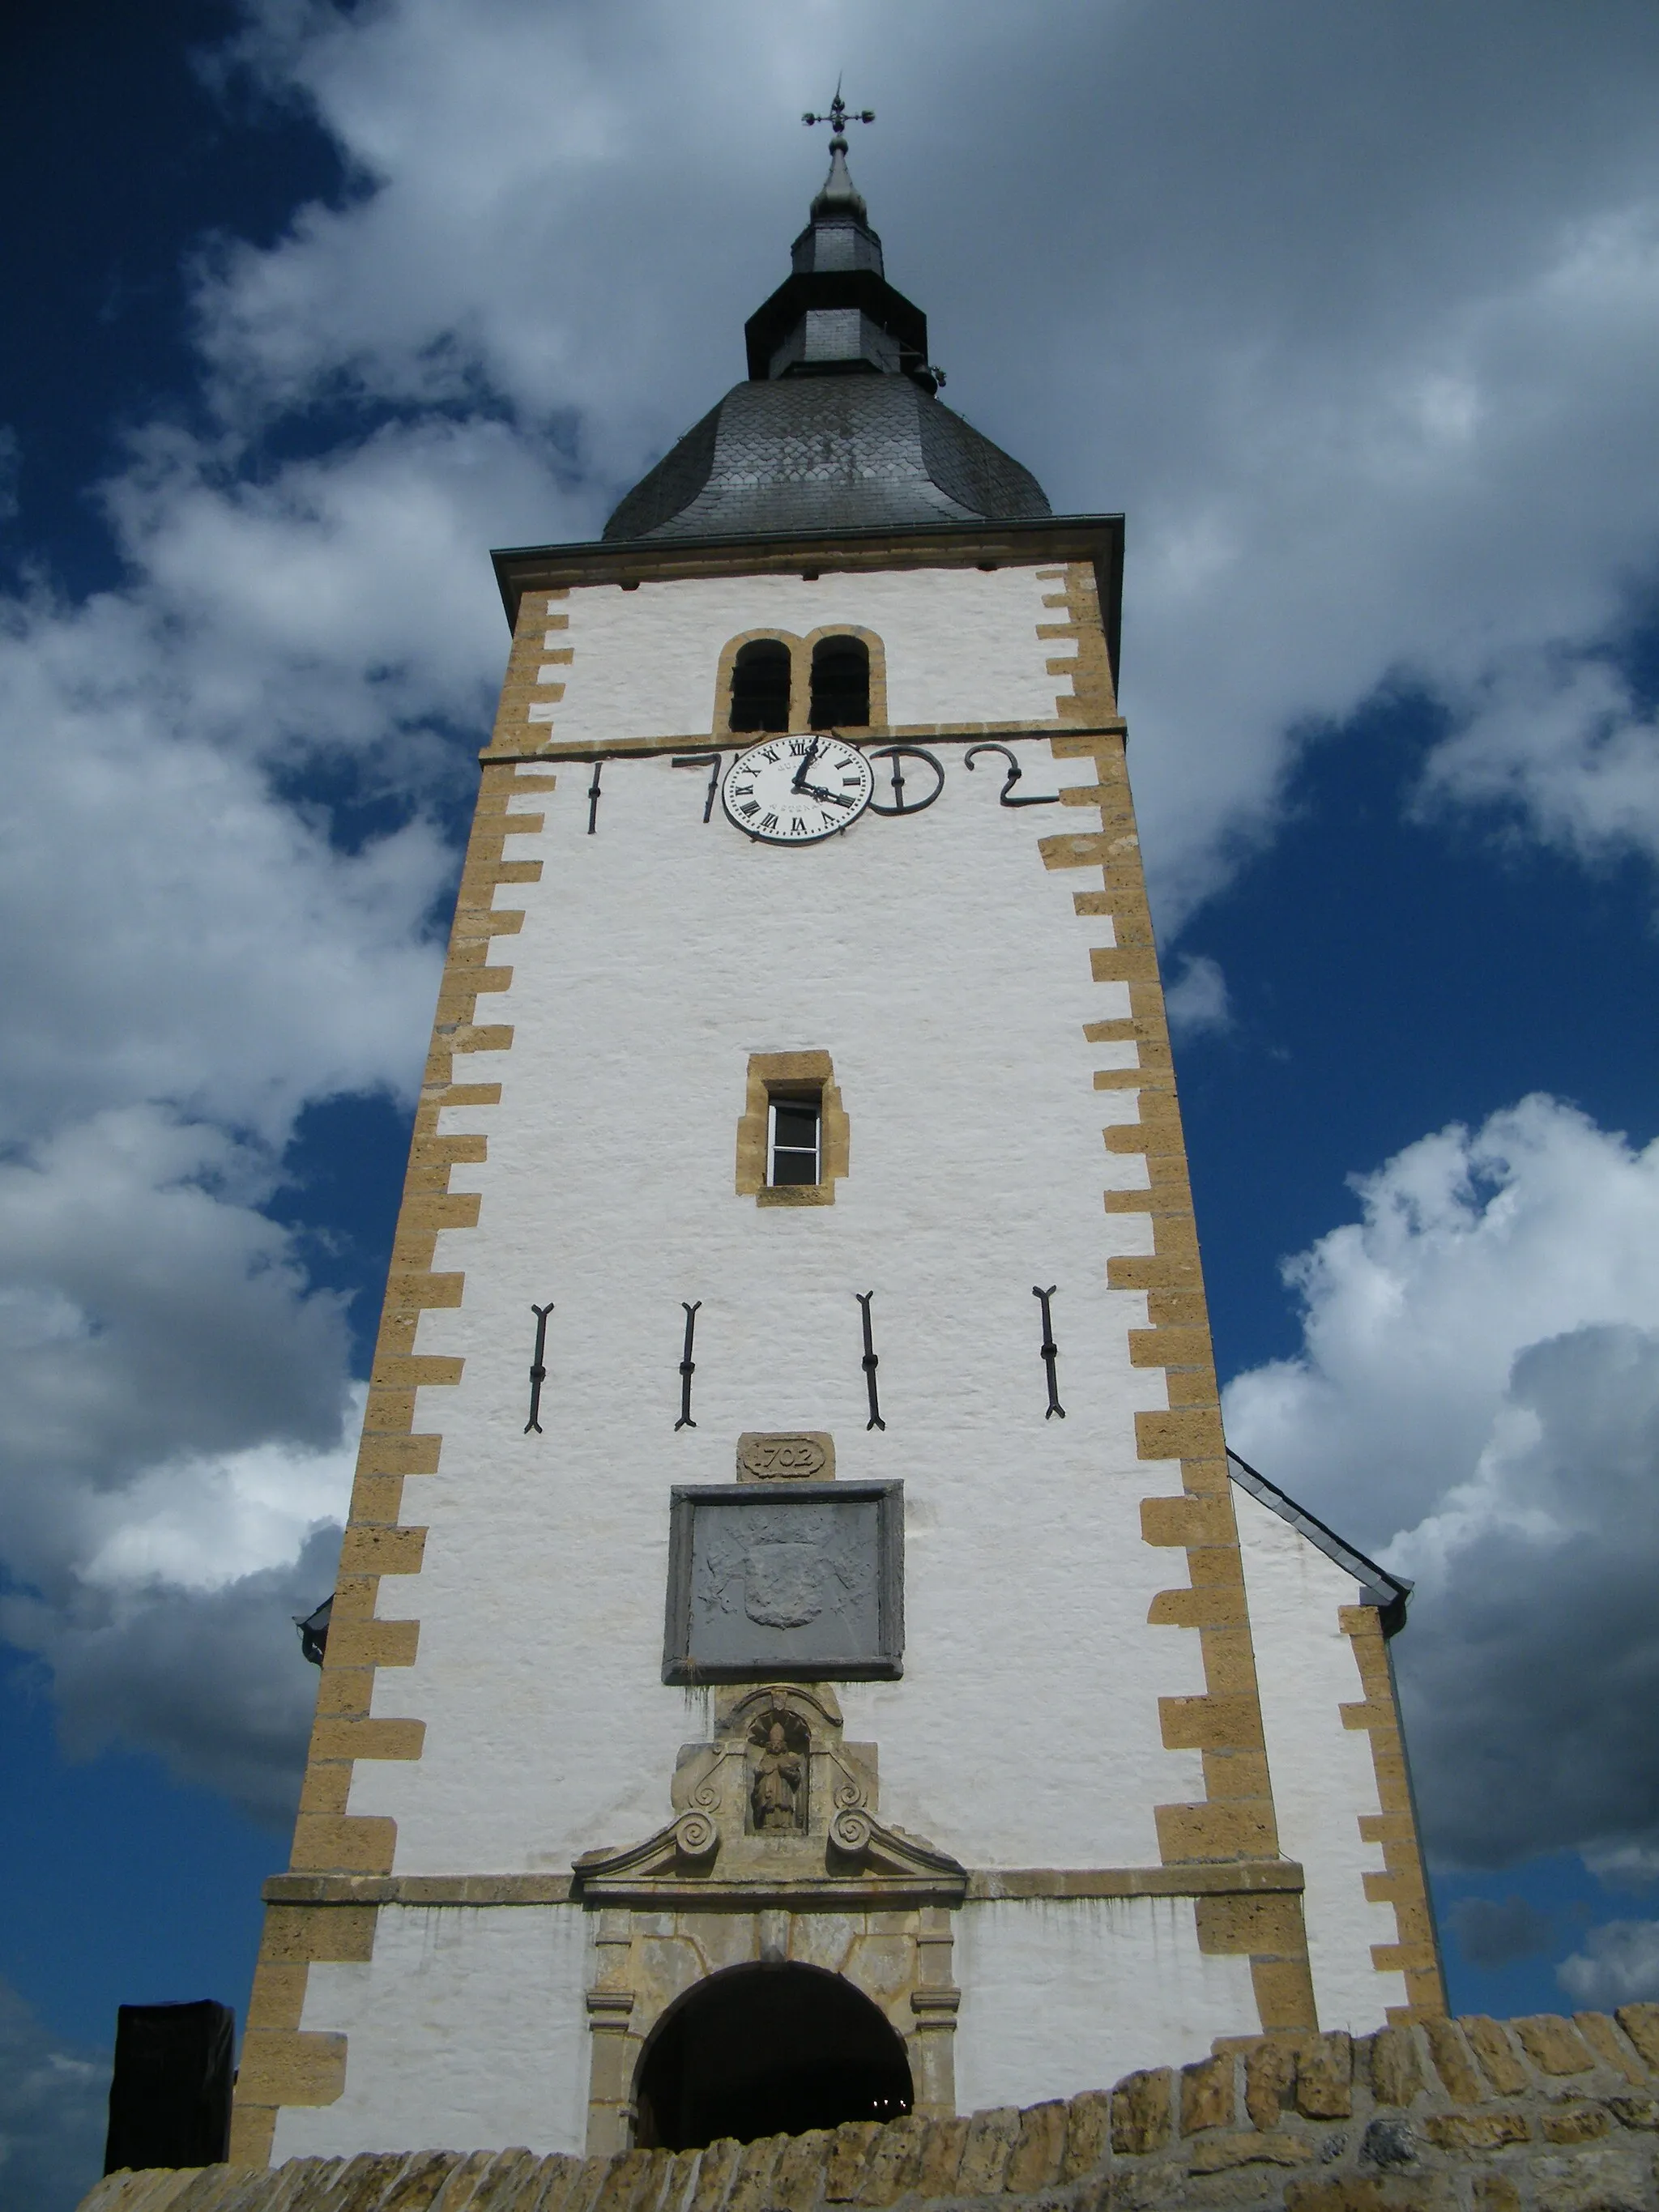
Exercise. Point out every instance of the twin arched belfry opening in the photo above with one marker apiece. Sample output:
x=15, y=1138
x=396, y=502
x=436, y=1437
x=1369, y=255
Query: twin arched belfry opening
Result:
x=768, y=2049
x=763, y=677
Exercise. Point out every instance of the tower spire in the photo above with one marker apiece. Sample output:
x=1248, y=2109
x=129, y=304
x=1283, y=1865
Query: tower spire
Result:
x=840, y=195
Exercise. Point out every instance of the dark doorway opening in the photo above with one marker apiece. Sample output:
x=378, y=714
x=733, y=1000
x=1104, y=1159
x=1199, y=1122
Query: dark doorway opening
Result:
x=768, y=2050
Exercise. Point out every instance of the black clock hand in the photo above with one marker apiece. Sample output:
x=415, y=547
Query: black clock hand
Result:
x=799, y=783
x=830, y=797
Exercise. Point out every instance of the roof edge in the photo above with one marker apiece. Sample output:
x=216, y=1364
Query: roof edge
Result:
x=1388, y=1592
x=1095, y=538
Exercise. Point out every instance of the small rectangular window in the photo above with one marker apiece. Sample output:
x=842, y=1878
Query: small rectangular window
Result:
x=795, y=1136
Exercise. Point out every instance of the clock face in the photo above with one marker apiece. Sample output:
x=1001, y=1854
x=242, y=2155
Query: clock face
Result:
x=794, y=790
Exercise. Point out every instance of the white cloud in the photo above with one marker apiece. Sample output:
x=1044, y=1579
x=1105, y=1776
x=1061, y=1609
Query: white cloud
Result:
x=1618, y=1965
x=1375, y=374
x=1355, y=313
x=1565, y=749
x=1477, y=1403
x=1196, y=1001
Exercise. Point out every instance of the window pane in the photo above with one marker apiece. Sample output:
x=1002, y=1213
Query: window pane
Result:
x=794, y=1167
x=795, y=1122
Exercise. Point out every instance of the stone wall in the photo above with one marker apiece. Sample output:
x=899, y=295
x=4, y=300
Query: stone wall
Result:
x=1537, y=2115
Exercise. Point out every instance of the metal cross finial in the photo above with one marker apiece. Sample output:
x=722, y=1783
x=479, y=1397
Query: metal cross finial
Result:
x=839, y=116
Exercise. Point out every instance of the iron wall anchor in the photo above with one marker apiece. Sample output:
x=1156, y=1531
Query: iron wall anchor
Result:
x=688, y=1368
x=537, y=1370
x=1050, y=1352
x=870, y=1362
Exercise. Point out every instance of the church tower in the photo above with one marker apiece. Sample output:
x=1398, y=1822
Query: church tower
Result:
x=801, y=1650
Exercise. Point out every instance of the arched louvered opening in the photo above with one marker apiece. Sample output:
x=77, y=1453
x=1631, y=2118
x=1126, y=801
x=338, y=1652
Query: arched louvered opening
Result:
x=760, y=686
x=840, y=684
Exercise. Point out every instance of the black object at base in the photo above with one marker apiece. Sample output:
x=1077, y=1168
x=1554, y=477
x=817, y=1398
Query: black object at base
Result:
x=169, y=2096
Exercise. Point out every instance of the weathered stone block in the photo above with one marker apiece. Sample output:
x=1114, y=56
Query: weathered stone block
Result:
x=1396, y=2073
x=1641, y=2023
x=1324, y=2077
x=752, y=2191
x=1452, y=2062
x=1603, y=2039
x=1499, y=2061
x=1496, y=2192
x=797, y=2180
x=717, y=2166
x=849, y=2146
x=1140, y=2113
x=1269, y=2076
x=1087, y=2125
x=507, y=2184
x=621, y=2185
x=1206, y=2094
x=1634, y=2112
x=1553, y=2045
x=1573, y=2123
x=985, y=2155
x=1475, y=2131
x=941, y=2158
x=1039, y=2149
x=895, y=2160
x=1215, y=2154
x=416, y=2187
x=1369, y=2192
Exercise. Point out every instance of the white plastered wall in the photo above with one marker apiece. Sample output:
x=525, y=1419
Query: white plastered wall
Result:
x=947, y=974
x=1322, y=1775
x=945, y=971
x=1061, y=1995
x=644, y=665
x=461, y=2033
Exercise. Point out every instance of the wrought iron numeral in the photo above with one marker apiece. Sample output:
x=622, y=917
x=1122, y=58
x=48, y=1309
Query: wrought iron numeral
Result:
x=901, y=803
x=1047, y=799
x=712, y=762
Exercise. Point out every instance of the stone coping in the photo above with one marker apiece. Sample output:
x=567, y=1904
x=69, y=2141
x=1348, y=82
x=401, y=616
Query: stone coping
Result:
x=1543, y=2114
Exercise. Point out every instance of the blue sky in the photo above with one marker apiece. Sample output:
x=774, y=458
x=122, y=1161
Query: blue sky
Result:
x=1355, y=313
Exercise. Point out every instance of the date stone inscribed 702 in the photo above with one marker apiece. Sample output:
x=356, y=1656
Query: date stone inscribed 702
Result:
x=805, y=1582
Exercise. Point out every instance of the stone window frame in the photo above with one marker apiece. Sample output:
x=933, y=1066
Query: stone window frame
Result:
x=791, y=1075
x=800, y=679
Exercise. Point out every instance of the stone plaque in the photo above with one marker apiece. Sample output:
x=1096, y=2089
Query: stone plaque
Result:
x=804, y=1579
x=805, y=1456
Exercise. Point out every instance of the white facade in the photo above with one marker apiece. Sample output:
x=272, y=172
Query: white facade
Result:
x=946, y=972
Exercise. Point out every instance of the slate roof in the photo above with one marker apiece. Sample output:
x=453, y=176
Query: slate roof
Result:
x=827, y=453
x=1388, y=1592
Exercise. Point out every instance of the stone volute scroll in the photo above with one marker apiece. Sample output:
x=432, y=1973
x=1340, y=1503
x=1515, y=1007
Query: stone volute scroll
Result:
x=777, y=1808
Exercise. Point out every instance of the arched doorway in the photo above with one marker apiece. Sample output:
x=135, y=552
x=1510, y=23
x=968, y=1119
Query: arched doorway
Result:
x=767, y=2051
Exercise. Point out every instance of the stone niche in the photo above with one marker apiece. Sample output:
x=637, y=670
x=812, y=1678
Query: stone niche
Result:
x=776, y=1856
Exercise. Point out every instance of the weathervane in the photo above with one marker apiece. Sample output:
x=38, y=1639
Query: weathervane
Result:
x=839, y=117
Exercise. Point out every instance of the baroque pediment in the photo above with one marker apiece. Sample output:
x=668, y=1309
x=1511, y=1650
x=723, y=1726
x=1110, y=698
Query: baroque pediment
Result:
x=777, y=1808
